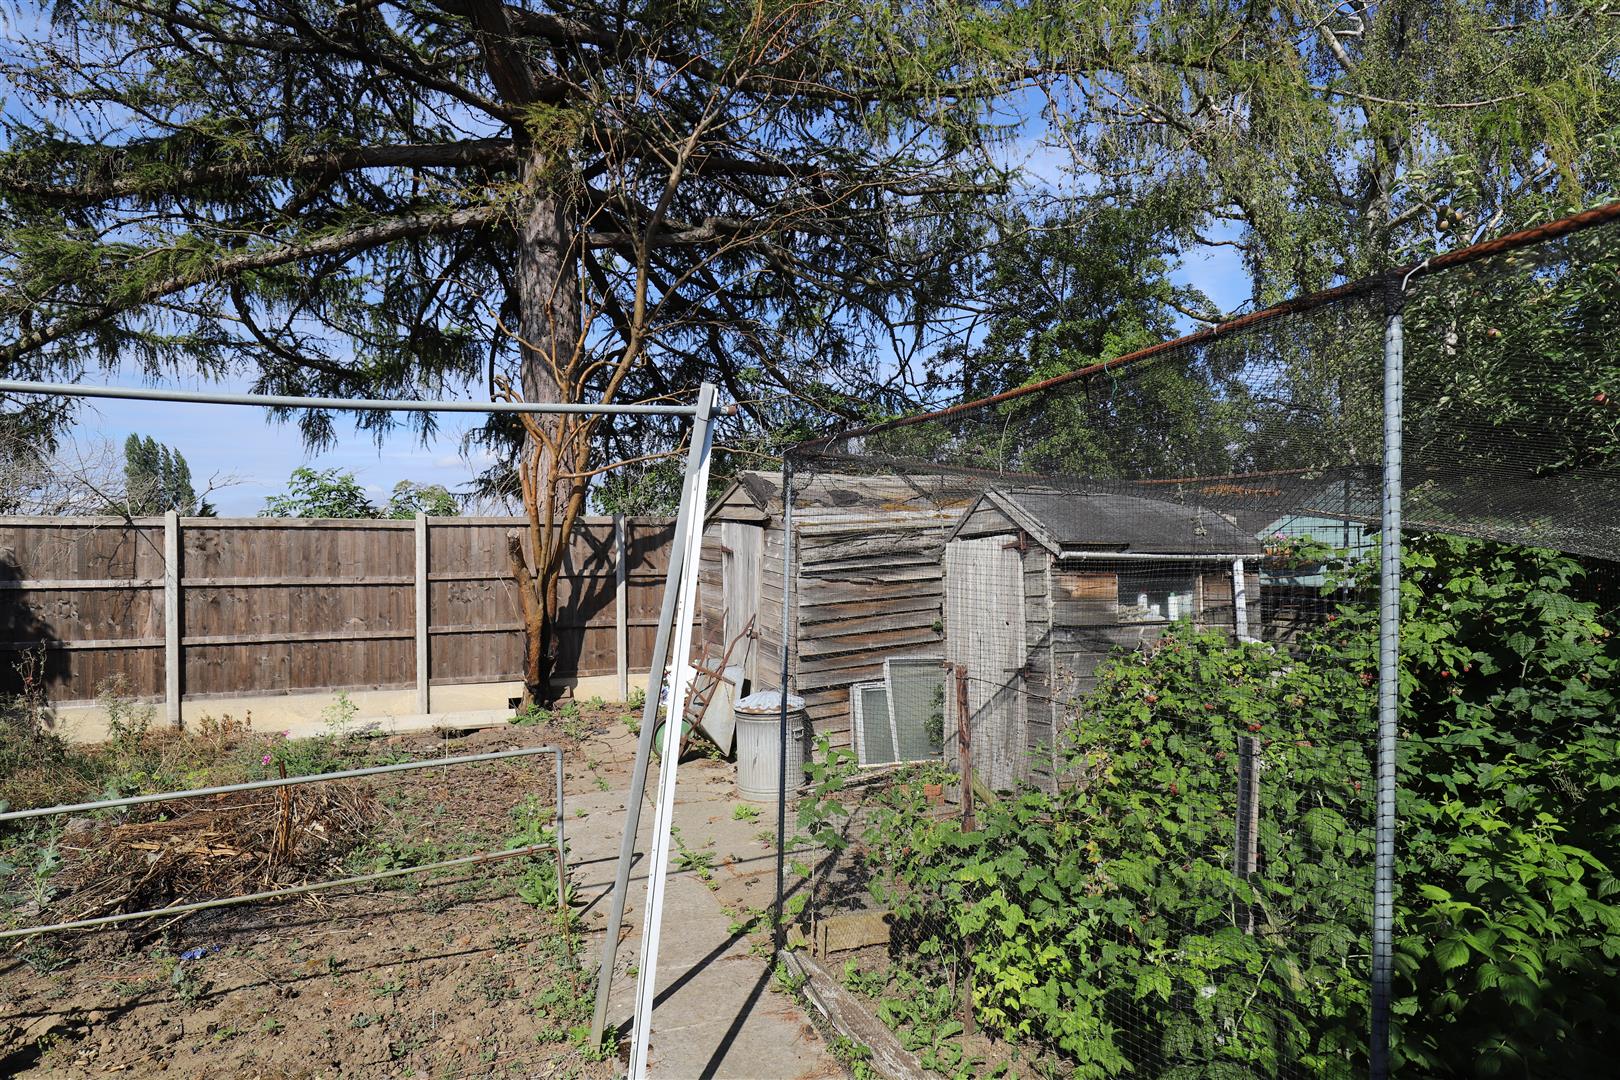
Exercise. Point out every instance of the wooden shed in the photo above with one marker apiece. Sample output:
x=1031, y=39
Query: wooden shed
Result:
x=1040, y=586
x=865, y=582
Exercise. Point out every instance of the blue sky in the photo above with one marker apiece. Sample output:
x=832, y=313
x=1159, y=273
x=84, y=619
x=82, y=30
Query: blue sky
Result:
x=260, y=453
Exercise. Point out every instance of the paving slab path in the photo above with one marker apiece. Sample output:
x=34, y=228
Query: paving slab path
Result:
x=716, y=1014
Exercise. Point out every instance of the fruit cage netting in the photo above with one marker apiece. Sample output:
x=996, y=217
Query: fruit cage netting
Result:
x=1091, y=679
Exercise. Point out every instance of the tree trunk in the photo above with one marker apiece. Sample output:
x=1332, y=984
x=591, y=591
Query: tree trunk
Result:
x=547, y=284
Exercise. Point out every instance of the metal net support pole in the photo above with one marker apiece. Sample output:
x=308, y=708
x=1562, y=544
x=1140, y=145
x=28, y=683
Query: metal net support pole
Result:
x=669, y=764
x=779, y=924
x=690, y=517
x=1389, y=688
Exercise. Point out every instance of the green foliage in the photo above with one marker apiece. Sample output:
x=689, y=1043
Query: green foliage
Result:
x=324, y=493
x=410, y=498
x=157, y=479
x=1107, y=924
x=534, y=825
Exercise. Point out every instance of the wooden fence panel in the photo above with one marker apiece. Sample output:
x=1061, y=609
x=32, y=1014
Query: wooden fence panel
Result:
x=288, y=605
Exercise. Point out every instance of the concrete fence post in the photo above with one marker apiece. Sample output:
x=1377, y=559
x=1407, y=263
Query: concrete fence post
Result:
x=173, y=658
x=424, y=696
x=621, y=606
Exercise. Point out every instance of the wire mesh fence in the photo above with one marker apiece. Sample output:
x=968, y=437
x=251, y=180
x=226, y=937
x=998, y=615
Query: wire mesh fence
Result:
x=1092, y=671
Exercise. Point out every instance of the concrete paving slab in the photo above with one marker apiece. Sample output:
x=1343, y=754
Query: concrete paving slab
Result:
x=716, y=1014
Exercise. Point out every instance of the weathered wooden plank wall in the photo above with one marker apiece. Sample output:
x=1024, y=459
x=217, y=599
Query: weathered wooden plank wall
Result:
x=286, y=605
x=864, y=590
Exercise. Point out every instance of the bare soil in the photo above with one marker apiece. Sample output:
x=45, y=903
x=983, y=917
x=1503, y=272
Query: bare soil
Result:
x=443, y=976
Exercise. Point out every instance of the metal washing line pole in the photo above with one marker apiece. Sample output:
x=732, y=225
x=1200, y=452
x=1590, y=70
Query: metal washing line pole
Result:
x=273, y=401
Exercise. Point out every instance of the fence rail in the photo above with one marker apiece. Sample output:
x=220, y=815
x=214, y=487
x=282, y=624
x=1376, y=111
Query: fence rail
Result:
x=196, y=608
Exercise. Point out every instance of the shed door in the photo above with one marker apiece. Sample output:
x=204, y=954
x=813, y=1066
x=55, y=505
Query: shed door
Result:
x=740, y=546
x=984, y=631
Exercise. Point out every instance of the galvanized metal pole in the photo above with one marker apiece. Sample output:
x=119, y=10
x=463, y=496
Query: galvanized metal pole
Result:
x=689, y=517
x=1389, y=687
x=1240, y=602
x=652, y=917
x=280, y=401
x=780, y=928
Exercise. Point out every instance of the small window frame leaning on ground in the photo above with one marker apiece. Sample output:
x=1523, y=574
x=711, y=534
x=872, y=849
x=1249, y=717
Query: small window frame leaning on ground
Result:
x=894, y=713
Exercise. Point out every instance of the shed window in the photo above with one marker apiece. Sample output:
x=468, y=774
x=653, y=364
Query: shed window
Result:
x=900, y=718
x=1155, y=595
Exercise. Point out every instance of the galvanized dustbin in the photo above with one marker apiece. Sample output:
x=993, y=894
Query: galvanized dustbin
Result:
x=759, y=744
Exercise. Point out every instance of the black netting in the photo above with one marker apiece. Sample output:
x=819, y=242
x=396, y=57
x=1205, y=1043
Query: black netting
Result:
x=1091, y=674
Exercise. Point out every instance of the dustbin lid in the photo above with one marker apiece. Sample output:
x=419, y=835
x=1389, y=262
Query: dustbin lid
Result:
x=768, y=701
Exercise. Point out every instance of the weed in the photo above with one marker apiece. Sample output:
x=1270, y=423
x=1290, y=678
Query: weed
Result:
x=127, y=722
x=595, y=703
x=633, y=722
x=856, y=1057
x=700, y=862
x=391, y=987
x=361, y=1021
x=187, y=985
x=744, y=812
x=533, y=716
x=25, y=876
x=786, y=980
x=867, y=983
x=43, y=958
x=638, y=698
x=339, y=716
x=401, y=1049
x=563, y=1006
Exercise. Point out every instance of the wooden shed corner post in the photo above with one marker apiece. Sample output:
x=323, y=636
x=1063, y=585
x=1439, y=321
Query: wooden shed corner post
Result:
x=173, y=658
x=964, y=748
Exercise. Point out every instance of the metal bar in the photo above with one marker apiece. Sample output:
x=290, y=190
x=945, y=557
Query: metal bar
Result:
x=1151, y=556
x=1240, y=602
x=173, y=658
x=689, y=517
x=789, y=579
x=562, y=846
x=278, y=782
x=209, y=397
x=1598, y=215
x=274, y=894
x=1389, y=655
x=668, y=770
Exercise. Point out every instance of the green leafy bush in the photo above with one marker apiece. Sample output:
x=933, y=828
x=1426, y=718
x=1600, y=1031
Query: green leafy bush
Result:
x=1106, y=921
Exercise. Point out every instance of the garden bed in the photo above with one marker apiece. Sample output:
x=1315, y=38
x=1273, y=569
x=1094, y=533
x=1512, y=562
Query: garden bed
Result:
x=463, y=972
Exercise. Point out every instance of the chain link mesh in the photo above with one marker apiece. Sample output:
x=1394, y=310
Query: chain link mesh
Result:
x=1091, y=672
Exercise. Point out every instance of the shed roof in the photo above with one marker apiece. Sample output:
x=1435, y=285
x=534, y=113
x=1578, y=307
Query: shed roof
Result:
x=1063, y=521
x=757, y=496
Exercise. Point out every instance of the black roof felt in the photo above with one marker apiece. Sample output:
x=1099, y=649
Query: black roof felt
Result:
x=1112, y=522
